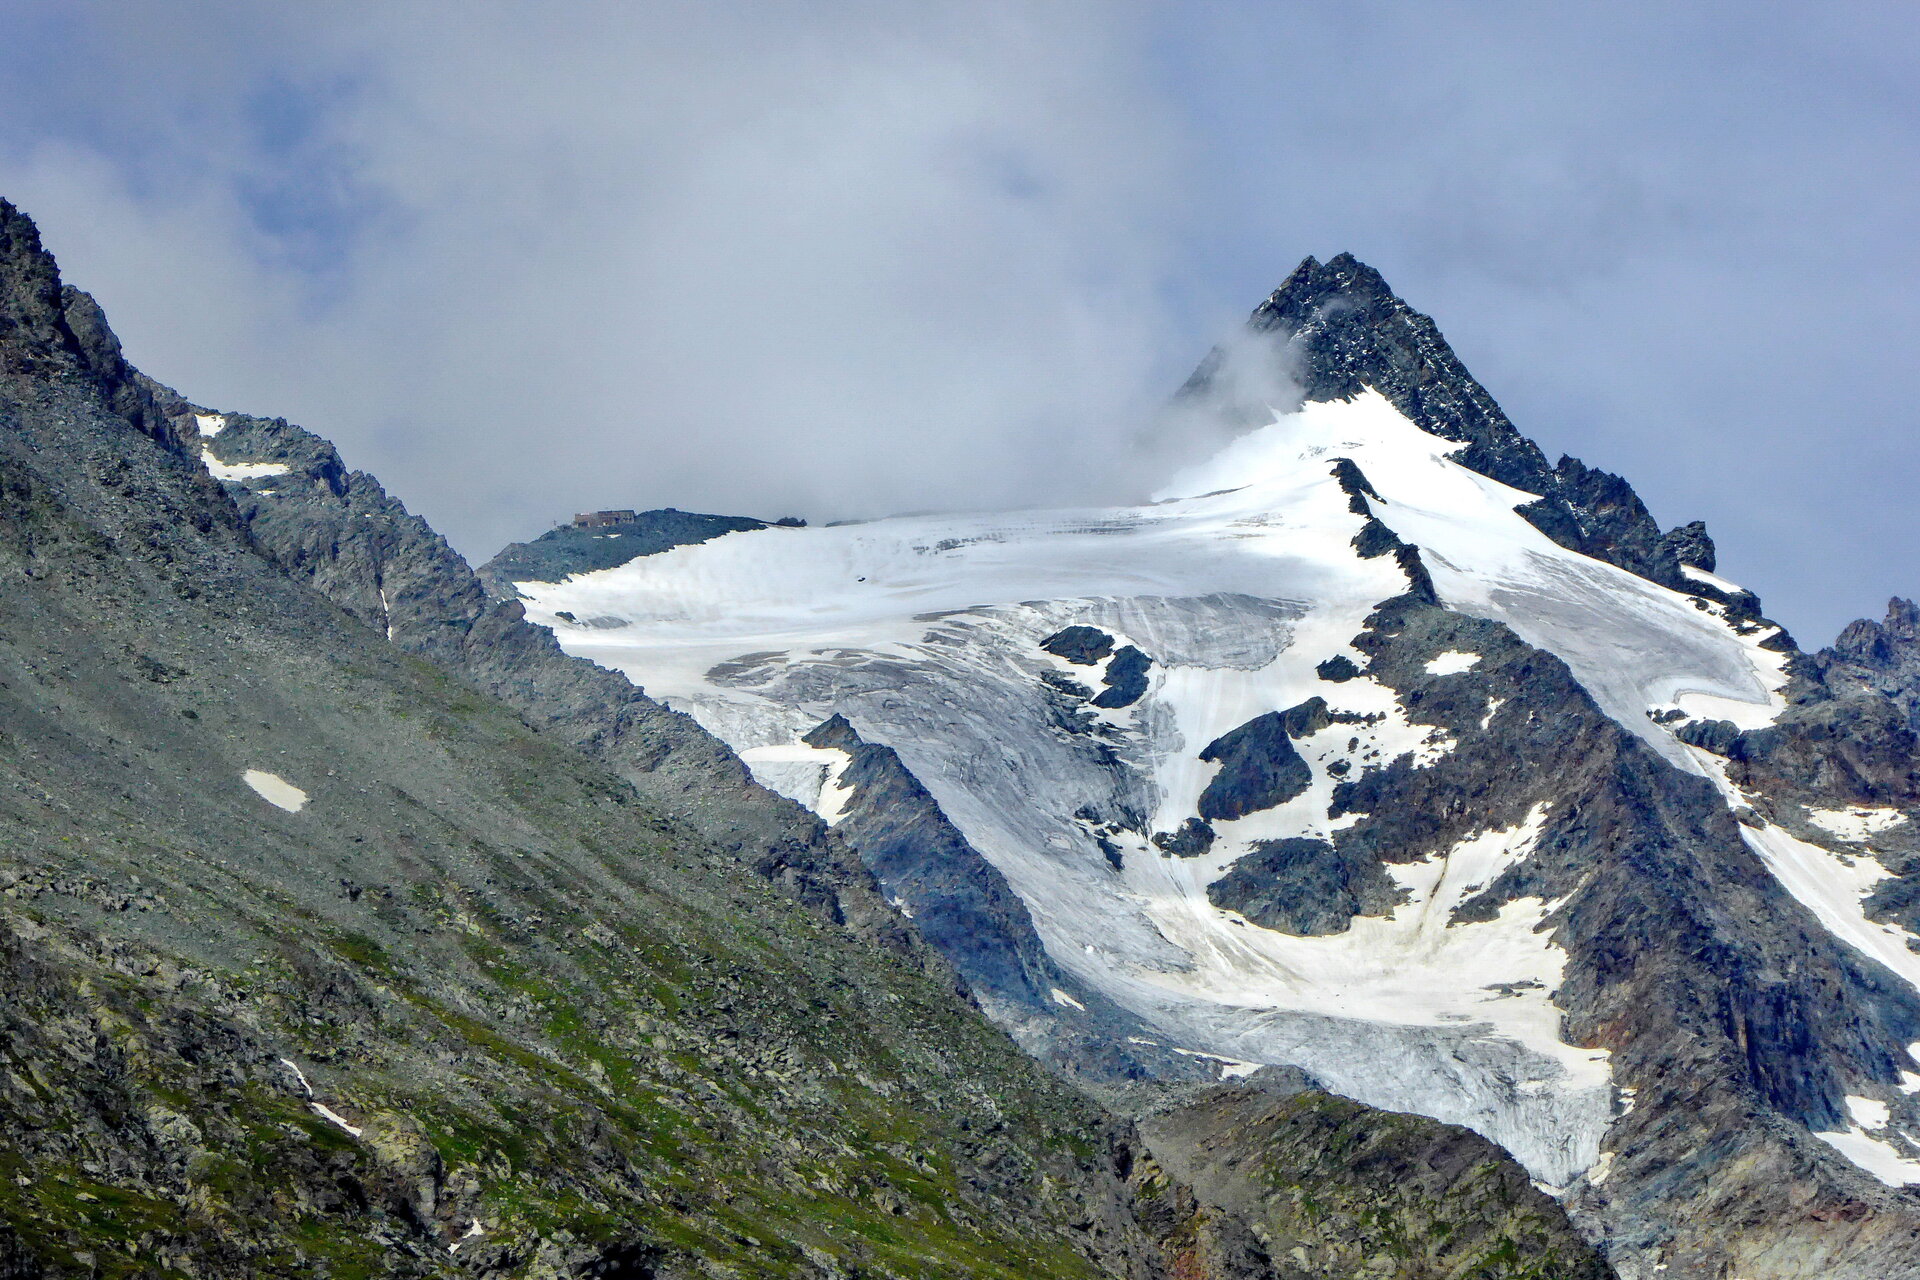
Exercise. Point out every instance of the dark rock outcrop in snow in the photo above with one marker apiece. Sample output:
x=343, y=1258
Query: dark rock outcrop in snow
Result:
x=571, y=549
x=963, y=906
x=1082, y=646
x=1258, y=769
x=1188, y=840
x=1304, y=887
x=1125, y=678
x=1375, y=537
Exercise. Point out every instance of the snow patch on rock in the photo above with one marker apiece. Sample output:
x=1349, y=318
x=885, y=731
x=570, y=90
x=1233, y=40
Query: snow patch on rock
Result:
x=1452, y=662
x=1856, y=824
x=320, y=1109
x=328, y=1113
x=1230, y=1068
x=275, y=790
x=1835, y=888
x=240, y=471
x=1875, y=1155
x=1702, y=576
x=809, y=776
x=1867, y=1113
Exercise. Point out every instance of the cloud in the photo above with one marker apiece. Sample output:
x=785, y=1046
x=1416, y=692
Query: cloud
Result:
x=715, y=256
x=844, y=258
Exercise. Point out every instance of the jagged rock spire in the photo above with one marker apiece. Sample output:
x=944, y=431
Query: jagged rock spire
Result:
x=1347, y=330
x=34, y=335
x=1340, y=329
x=1878, y=658
x=51, y=329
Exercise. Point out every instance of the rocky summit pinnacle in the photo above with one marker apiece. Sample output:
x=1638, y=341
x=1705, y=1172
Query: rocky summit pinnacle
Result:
x=1341, y=329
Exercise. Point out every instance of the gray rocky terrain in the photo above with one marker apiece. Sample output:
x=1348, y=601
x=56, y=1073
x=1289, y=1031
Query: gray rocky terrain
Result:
x=1299, y=1164
x=320, y=961
x=340, y=532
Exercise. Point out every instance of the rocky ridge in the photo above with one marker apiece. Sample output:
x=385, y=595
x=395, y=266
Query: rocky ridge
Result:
x=339, y=531
x=1300, y=1163
x=570, y=548
x=1340, y=329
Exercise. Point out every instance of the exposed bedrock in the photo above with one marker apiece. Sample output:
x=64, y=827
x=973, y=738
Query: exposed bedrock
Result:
x=1126, y=679
x=1304, y=886
x=1259, y=768
x=573, y=548
x=1340, y=329
x=1332, y=1188
x=1737, y=1019
x=1081, y=645
x=963, y=906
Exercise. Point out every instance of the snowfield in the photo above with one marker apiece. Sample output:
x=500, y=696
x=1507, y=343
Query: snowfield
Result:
x=1237, y=582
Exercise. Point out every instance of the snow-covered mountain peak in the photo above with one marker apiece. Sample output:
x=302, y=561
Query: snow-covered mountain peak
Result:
x=1134, y=812
x=1372, y=745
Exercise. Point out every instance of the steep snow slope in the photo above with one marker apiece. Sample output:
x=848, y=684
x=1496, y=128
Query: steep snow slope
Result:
x=1239, y=584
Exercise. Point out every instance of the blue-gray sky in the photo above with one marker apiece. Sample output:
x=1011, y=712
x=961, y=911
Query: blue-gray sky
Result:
x=842, y=258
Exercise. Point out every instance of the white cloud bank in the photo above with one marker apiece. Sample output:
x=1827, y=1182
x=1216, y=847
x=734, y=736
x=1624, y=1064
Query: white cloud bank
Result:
x=718, y=256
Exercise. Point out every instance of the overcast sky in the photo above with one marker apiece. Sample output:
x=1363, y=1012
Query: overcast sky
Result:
x=840, y=259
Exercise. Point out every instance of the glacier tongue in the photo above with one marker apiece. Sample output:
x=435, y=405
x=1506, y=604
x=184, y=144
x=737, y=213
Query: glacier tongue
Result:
x=926, y=634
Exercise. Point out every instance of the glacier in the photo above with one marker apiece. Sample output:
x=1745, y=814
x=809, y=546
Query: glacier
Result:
x=1239, y=580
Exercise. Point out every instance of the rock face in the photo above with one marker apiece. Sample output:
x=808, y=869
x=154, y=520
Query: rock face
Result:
x=1259, y=769
x=340, y=532
x=963, y=906
x=1342, y=330
x=1332, y=1189
x=1876, y=657
x=1303, y=886
x=1453, y=782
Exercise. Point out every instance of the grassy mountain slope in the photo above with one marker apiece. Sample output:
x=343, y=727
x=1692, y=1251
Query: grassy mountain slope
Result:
x=527, y=1002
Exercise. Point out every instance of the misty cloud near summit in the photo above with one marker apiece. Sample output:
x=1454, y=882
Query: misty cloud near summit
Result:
x=698, y=256
x=855, y=258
